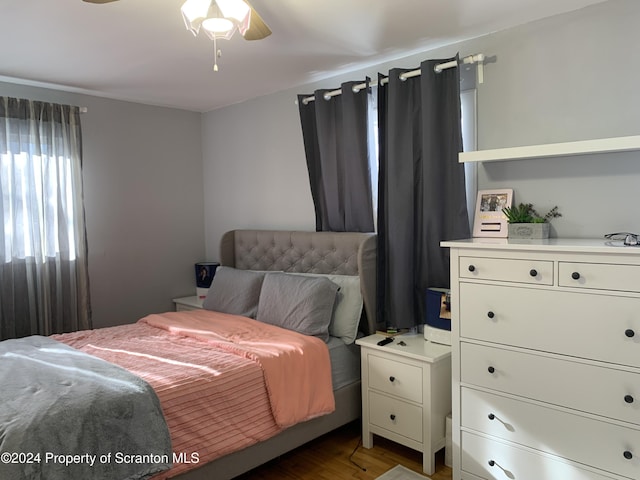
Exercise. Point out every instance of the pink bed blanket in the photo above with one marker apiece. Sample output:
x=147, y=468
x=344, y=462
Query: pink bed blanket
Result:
x=224, y=382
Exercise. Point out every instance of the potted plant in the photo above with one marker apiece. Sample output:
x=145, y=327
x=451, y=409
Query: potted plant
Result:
x=525, y=222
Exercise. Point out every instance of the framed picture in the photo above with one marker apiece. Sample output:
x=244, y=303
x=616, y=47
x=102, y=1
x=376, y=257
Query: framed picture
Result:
x=489, y=221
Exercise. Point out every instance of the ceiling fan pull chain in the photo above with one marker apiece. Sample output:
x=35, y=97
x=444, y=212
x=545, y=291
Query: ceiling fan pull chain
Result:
x=216, y=54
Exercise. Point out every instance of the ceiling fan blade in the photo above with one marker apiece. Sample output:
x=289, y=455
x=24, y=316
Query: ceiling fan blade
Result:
x=99, y=1
x=257, y=29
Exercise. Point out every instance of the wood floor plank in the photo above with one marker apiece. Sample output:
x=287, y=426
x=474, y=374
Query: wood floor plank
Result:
x=339, y=455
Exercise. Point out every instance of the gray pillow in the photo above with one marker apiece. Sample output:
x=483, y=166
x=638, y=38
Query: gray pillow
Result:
x=235, y=291
x=302, y=304
x=348, y=308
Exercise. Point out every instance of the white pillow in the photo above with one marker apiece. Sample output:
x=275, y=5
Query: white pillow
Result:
x=348, y=307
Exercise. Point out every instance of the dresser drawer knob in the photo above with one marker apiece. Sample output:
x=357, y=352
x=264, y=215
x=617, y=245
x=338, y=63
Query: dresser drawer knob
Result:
x=492, y=416
x=629, y=333
x=533, y=272
x=628, y=455
x=392, y=417
x=472, y=268
x=490, y=314
x=491, y=370
x=392, y=379
x=628, y=399
x=575, y=275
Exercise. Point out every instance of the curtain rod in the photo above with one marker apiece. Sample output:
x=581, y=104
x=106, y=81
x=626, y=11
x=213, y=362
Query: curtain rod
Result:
x=477, y=58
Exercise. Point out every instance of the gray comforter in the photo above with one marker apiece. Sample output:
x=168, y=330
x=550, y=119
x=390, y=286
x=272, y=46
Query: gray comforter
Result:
x=68, y=415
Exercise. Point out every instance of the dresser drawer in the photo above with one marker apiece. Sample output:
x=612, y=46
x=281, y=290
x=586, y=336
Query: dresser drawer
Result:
x=584, y=325
x=507, y=270
x=625, y=278
x=603, y=391
x=548, y=429
x=396, y=378
x=491, y=459
x=396, y=416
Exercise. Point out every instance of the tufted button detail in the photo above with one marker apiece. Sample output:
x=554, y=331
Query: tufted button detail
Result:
x=294, y=252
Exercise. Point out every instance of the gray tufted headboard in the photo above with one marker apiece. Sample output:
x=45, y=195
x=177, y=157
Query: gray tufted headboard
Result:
x=338, y=253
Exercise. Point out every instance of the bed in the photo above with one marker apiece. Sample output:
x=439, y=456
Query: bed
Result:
x=312, y=252
x=306, y=258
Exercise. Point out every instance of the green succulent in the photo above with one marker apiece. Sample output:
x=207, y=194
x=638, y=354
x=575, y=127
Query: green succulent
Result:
x=525, y=213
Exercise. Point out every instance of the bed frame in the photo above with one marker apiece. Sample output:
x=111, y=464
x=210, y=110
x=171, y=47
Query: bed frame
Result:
x=311, y=252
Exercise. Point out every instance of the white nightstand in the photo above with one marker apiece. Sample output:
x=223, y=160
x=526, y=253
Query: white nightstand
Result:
x=406, y=393
x=184, y=304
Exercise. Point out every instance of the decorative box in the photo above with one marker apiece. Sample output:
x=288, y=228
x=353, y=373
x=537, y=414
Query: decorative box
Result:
x=437, y=327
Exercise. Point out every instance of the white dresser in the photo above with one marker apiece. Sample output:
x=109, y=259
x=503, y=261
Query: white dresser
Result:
x=406, y=393
x=545, y=359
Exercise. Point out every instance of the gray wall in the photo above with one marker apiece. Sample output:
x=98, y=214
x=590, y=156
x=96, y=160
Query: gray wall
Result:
x=143, y=191
x=568, y=78
x=571, y=77
x=255, y=173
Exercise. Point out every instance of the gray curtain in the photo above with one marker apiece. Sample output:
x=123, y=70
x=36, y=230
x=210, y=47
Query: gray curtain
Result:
x=421, y=191
x=44, y=284
x=334, y=131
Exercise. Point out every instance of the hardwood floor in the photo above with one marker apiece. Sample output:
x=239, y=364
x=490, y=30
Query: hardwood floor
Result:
x=330, y=458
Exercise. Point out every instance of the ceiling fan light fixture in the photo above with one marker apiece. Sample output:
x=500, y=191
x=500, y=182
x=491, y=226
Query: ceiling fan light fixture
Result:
x=193, y=13
x=218, y=27
x=220, y=19
x=237, y=11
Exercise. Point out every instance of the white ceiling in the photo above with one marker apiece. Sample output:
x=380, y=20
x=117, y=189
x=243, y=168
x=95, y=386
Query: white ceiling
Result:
x=139, y=50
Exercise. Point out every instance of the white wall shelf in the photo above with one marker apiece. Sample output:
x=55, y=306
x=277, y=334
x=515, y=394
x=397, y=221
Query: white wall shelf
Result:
x=583, y=147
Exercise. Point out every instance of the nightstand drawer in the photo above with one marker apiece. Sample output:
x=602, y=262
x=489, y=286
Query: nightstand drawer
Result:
x=624, y=278
x=574, y=324
x=396, y=378
x=538, y=272
x=396, y=416
x=599, y=390
x=544, y=428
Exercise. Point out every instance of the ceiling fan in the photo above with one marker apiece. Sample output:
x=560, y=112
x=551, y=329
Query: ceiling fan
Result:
x=257, y=30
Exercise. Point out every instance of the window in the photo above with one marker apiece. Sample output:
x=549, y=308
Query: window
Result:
x=469, y=143
x=43, y=267
x=37, y=205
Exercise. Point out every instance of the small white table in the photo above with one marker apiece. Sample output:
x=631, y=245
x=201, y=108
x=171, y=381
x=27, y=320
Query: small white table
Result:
x=184, y=304
x=406, y=393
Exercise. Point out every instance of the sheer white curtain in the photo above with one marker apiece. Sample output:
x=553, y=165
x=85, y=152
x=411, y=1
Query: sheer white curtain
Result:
x=44, y=285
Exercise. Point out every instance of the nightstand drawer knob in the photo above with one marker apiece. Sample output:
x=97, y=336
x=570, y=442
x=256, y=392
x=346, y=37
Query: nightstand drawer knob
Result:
x=392, y=417
x=628, y=399
x=533, y=272
x=472, y=268
x=392, y=379
x=628, y=455
x=490, y=314
x=629, y=333
x=575, y=275
x=491, y=370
